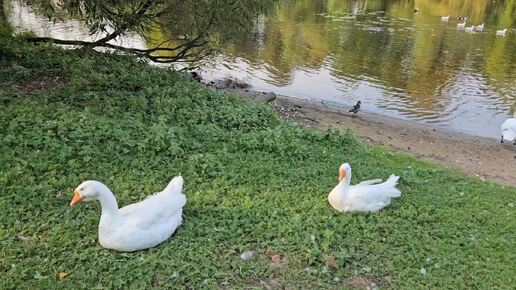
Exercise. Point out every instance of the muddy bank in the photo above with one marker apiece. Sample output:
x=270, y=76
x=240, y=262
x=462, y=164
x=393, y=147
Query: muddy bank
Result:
x=484, y=158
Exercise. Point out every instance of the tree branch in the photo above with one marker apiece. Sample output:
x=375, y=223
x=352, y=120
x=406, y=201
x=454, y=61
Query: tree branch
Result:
x=181, y=49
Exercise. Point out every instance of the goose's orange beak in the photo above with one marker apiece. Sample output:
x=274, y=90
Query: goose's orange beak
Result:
x=342, y=174
x=76, y=198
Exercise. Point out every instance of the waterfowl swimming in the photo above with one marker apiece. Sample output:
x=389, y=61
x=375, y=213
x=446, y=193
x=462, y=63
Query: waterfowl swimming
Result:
x=501, y=32
x=469, y=28
x=445, y=18
x=462, y=18
x=461, y=25
x=139, y=225
x=367, y=196
x=509, y=130
x=355, y=108
x=479, y=28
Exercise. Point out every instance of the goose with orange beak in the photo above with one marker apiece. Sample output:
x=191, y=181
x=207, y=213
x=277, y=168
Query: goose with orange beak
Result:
x=367, y=196
x=139, y=225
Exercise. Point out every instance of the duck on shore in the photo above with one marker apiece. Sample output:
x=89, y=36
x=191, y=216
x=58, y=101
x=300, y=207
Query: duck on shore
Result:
x=356, y=108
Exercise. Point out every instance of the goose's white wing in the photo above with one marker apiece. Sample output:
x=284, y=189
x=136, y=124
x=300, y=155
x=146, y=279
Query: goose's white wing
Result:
x=157, y=208
x=372, y=197
x=370, y=182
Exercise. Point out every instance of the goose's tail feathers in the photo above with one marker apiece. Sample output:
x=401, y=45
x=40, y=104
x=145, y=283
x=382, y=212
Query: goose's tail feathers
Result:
x=390, y=184
x=174, y=186
x=392, y=181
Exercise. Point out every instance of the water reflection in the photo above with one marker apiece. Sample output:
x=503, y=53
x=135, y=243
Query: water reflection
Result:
x=25, y=18
x=399, y=63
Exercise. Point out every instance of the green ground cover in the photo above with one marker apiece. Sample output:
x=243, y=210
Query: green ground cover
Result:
x=253, y=182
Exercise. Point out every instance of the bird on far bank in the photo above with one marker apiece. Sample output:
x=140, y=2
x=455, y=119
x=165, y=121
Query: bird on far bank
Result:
x=479, y=28
x=501, y=32
x=416, y=10
x=445, y=18
x=469, y=28
x=509, y=130
x=462, y=18
x=356, y=108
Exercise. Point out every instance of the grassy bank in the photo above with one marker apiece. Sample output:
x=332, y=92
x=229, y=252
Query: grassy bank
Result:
x=252, y=183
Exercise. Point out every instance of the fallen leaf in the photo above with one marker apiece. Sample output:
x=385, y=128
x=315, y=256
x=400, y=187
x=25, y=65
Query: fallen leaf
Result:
x=331, y=261
x=276, y=259
x=62, y=275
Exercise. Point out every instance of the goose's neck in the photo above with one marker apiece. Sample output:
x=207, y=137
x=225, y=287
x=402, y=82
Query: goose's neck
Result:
x=108, y=203
x=345, y=183
x=347, y=180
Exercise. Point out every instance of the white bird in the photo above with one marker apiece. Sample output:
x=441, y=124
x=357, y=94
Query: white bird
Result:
x=445, y=18
x=479, y=28
x=461, y=25
x=469, y=28
x=367, y=196
x=501, y=32
x=139, y=225
x=509, y=130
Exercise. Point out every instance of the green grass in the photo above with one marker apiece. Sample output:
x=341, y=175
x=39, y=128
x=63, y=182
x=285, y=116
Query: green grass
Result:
x=252, y=181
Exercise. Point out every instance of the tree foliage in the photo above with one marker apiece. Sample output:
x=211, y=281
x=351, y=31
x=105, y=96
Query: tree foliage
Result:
x=192, y=26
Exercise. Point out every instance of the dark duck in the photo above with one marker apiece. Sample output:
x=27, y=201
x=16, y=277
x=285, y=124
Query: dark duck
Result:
x=356, y=108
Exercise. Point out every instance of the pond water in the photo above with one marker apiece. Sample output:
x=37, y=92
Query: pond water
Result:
x=398, y=62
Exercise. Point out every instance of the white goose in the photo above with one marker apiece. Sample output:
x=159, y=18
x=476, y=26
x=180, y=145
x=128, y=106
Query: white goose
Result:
x=367, y=196
x=479, y=28
x=445, y=18
x=461, y=25
x=470, y=29
x=501, y=32
x=509, y=129
x=139, y=225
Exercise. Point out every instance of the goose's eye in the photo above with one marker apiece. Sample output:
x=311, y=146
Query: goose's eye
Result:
x=81, y=189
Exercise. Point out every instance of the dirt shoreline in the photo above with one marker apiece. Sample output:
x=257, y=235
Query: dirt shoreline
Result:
x=480, y=157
